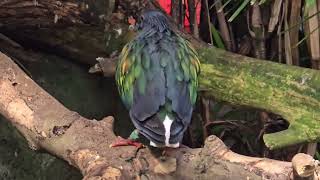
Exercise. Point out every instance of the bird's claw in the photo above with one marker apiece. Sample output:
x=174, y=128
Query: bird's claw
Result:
x=125, y=142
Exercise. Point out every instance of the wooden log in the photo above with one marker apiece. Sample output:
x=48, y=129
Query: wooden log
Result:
x=289, y=91
x=292, y=92
x=34, y=13
x=84, y=143
x=304, y=167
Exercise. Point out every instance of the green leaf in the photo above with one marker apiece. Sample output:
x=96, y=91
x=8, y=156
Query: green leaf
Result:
x=305, y=37
x=240, y=8
x=216, y=36
x=308, y=4
x=252, y=2
x=300, y=22
x=224, y=5
x=317, y=155
x=262, y=2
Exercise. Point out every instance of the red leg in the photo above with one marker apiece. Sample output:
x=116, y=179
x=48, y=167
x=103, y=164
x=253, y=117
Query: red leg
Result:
x=125, y=142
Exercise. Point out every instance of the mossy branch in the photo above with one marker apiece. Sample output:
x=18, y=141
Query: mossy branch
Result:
x=290, y=91
x=48, y=125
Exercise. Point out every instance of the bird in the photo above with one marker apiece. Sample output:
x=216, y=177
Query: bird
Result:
x=157, y=79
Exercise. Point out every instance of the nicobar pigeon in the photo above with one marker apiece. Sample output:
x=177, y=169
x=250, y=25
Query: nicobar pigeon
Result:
x=157, y=79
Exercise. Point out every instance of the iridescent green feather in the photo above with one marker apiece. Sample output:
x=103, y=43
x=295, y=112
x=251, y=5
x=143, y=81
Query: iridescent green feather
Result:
x=135, y=61
x=190, y=66
x=130, y=71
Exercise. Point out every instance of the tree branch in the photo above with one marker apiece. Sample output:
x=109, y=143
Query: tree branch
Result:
x=84, y=143
x=289, y=91
x=35, y=13
x=47, y=124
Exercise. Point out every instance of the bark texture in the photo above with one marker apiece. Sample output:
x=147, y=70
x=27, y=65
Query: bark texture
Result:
x=84, y=143
x=292, y=92
x=288, y=91
x=29, y=13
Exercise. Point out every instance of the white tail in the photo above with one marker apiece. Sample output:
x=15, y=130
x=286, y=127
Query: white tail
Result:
x=167, y=126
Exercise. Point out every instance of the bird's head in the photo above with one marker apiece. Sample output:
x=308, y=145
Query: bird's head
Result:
x=153, y=19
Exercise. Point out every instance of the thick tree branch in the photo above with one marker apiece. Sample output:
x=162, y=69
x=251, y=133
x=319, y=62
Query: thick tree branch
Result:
x=35, y=13
x=292, y=92
x=84, y=143
x=289, y=91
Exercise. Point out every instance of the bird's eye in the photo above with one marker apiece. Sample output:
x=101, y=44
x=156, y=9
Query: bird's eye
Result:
x=141, y=18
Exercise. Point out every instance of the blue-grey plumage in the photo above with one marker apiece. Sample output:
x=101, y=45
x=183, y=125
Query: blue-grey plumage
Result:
x=157, y=80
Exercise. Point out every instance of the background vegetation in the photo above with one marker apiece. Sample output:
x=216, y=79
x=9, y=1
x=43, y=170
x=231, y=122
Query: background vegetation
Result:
x=284, y=31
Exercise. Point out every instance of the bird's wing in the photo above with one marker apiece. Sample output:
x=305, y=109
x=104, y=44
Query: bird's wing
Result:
x=127, y=71
x=150, y=75
x=182, y=78
x=191, y=67
x=141, y=82
x=182, y=68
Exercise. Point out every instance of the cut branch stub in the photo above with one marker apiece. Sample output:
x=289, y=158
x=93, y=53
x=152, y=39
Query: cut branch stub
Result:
x=304, y=165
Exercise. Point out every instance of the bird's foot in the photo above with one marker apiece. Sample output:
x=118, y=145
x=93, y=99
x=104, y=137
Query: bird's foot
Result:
x=125, y=142
x=167, y=150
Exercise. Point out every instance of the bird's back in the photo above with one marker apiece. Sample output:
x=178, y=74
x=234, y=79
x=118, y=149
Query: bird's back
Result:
x=157, y=80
